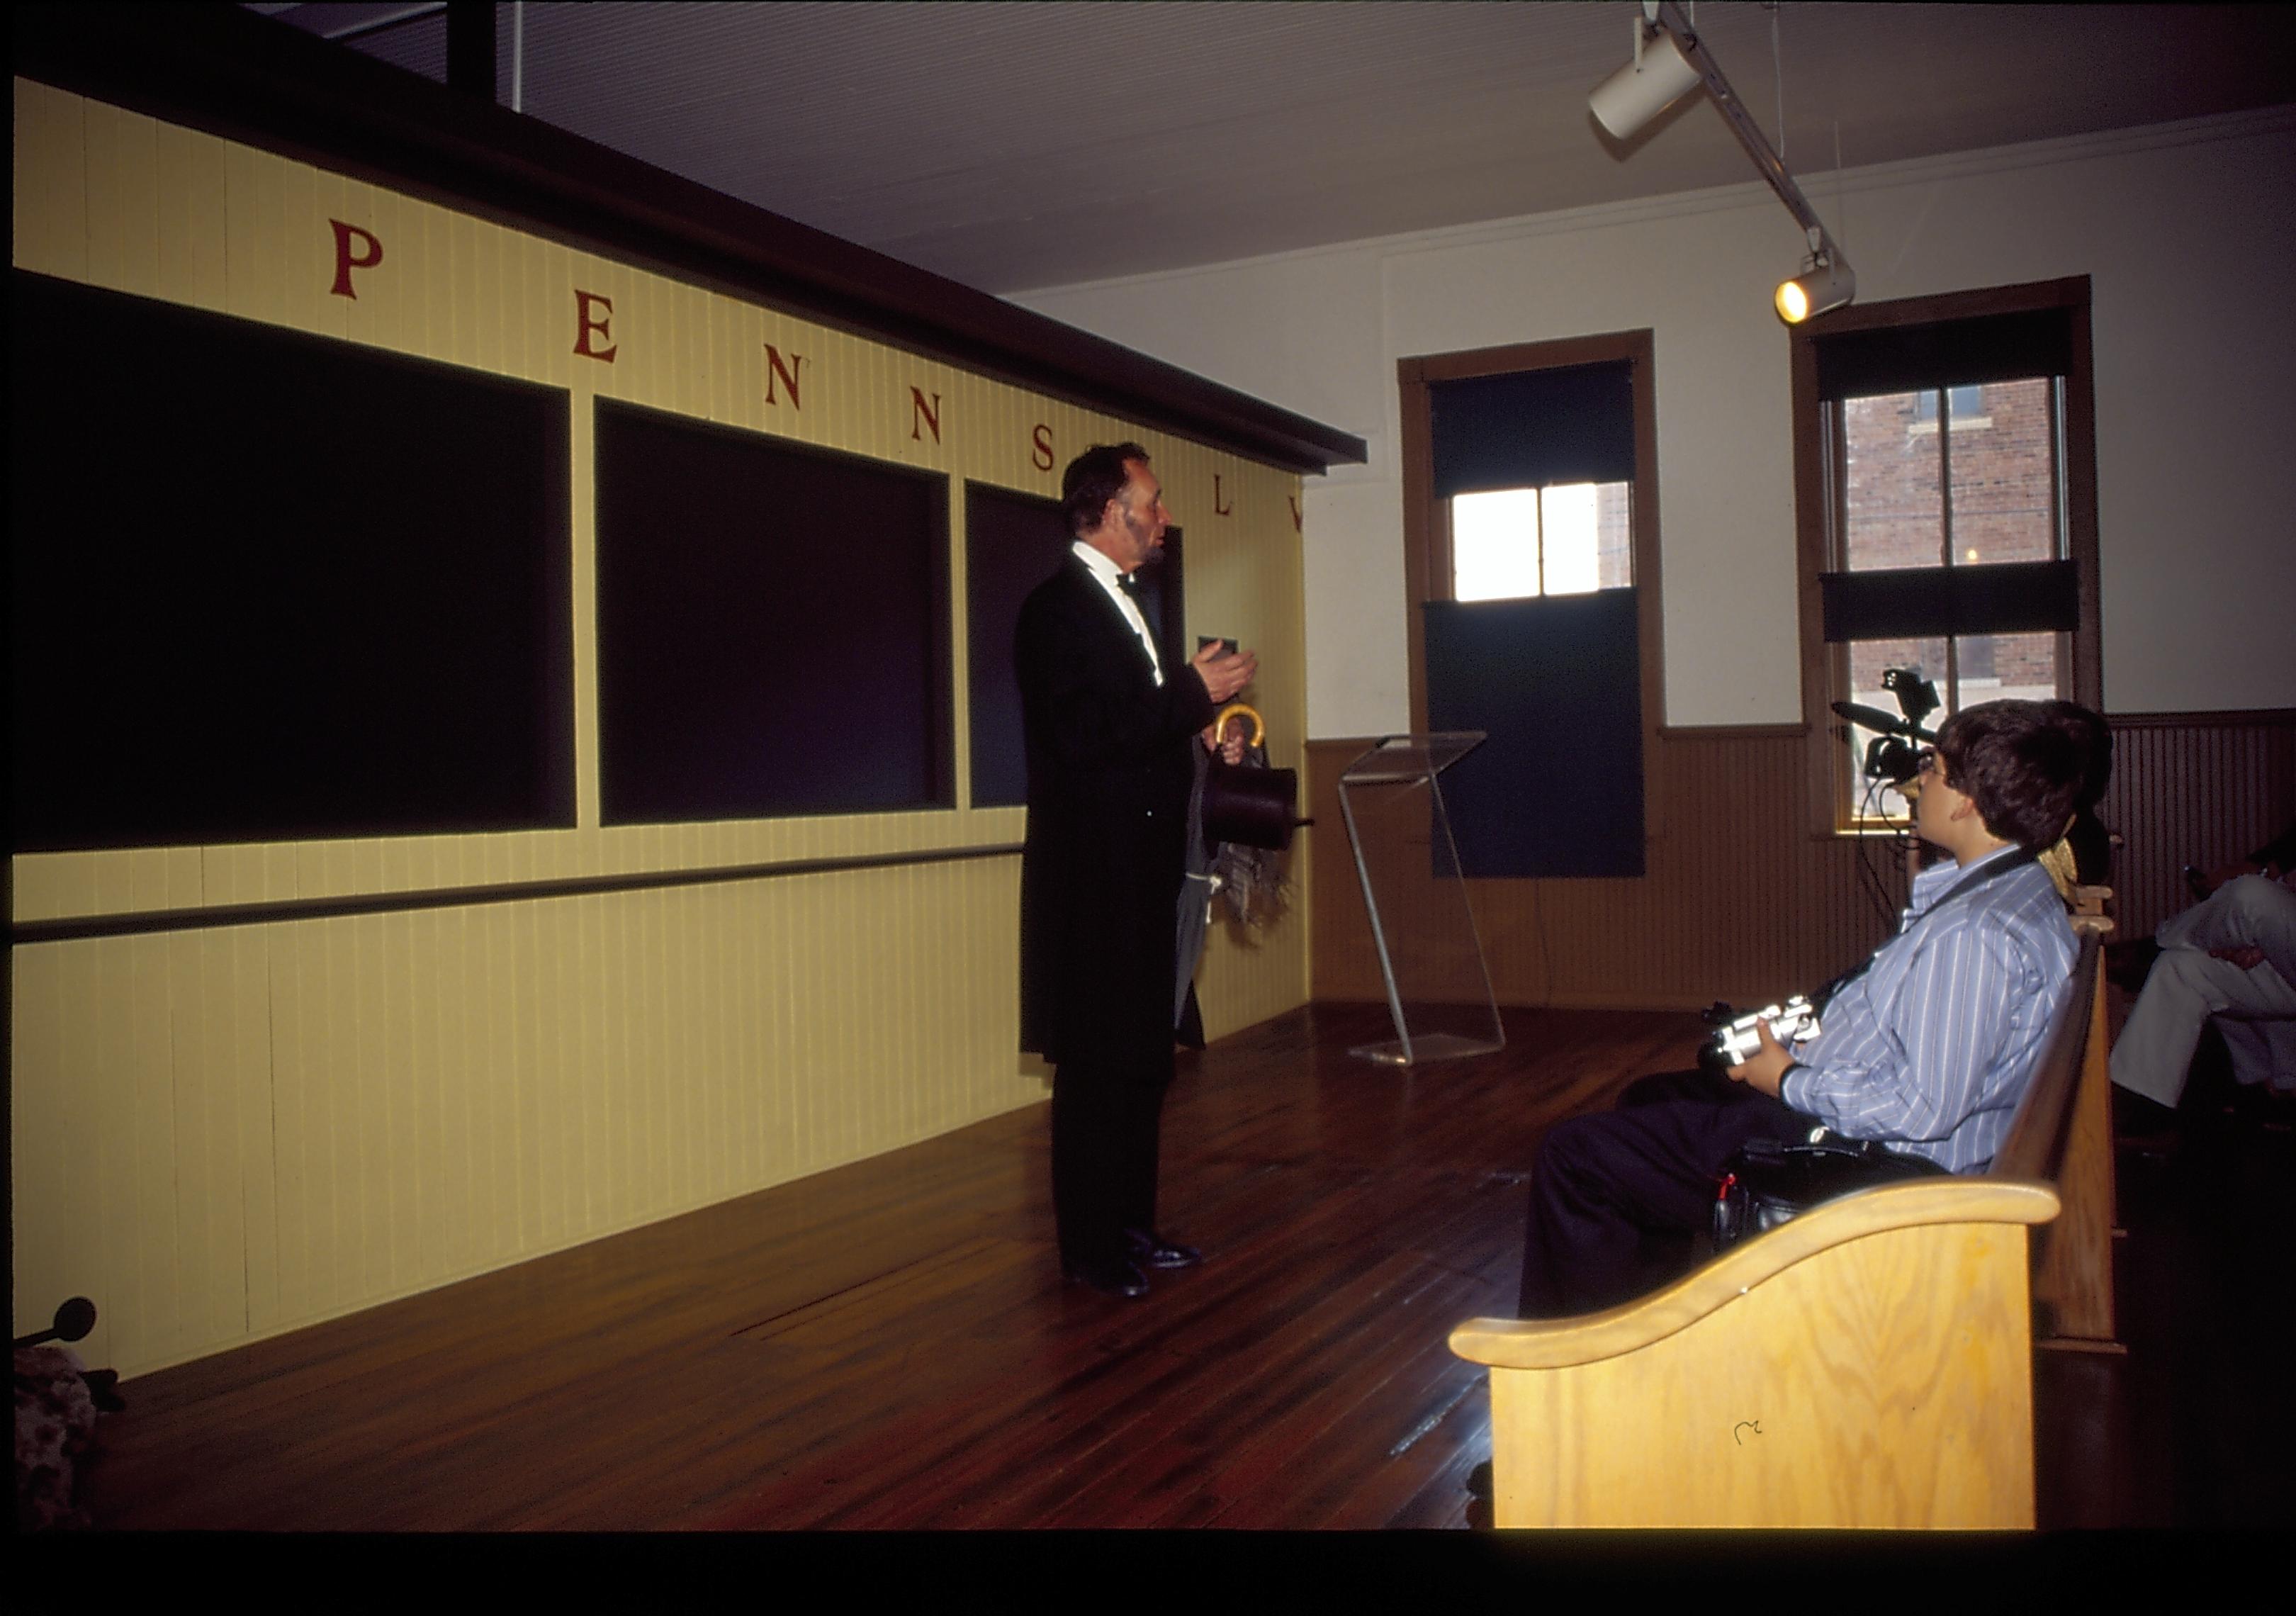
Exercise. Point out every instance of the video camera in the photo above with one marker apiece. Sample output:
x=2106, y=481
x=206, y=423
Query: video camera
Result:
x=1893, y=754
x=1794, y=1023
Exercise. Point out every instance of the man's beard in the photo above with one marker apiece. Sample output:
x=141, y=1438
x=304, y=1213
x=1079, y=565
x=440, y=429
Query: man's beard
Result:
x=1153, y=547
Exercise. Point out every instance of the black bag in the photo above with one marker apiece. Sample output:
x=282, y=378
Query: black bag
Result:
x=1769, y=1181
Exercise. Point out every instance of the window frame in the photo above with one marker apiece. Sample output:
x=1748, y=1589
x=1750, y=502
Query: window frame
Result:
x=1818, y=494
x=1427, y=558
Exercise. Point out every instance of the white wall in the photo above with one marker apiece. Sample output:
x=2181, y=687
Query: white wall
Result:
x=2187, y=231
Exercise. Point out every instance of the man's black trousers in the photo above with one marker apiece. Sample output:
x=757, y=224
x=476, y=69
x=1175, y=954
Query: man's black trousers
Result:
x=1615, y=1198
x=1107, y=1117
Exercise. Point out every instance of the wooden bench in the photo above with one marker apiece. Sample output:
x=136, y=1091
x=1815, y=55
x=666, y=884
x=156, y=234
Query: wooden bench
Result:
x=1868, y=1364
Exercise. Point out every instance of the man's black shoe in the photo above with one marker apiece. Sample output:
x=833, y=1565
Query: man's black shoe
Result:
x=1109, y=1278
x=1152, y=1250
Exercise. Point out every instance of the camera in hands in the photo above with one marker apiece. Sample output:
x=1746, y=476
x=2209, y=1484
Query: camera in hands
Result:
x=1793, y=1023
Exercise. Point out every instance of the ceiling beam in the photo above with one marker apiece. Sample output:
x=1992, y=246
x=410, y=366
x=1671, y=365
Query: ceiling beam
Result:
x=231, y=72
x=471, y=48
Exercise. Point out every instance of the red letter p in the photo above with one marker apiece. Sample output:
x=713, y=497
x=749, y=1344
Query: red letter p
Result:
x=369, y=254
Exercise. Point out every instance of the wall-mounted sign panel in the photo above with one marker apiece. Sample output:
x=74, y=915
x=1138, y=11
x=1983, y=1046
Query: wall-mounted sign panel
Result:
x=267, y=588
x=773, y=625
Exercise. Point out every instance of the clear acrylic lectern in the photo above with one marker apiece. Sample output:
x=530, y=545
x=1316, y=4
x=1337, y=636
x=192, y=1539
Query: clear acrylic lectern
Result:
x=1439, y=988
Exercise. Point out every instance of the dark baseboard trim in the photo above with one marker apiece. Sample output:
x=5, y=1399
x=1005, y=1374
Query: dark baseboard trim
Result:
x=82, y=928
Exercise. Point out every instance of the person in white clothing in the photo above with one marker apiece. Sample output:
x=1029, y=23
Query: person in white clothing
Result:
x=2232, y=957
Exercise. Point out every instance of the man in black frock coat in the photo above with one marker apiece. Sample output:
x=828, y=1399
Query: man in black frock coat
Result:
x=1108, y=730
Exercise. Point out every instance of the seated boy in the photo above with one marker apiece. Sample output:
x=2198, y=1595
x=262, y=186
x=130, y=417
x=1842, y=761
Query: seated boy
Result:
x=1927, y=1049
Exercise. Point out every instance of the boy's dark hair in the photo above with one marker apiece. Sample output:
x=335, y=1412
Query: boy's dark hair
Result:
x=2026, y=765
x=1093, y=479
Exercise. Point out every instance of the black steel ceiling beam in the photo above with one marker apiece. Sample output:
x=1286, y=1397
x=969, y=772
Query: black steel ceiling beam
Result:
x=471, y=48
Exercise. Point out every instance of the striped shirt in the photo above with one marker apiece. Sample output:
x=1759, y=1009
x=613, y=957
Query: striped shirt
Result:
x=1931, y=1049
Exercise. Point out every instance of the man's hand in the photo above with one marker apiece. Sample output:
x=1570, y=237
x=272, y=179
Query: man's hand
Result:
x=1223, y=673
x=1766, y=1068
x=1230, y=746
x=2247, y=958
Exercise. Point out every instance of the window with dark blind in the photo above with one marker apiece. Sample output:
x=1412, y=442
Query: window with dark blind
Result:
x=1530, y=501
x=1536, y=473
x=1941, y=444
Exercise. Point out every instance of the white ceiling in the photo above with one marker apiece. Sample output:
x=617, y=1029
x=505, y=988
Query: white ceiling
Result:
x=1020, y=145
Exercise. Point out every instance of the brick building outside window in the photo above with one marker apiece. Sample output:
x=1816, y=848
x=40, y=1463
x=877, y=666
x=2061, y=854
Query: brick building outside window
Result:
x=1945, y=498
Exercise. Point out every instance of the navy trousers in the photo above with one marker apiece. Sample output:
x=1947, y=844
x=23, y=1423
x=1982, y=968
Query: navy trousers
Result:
x=1618, y=1197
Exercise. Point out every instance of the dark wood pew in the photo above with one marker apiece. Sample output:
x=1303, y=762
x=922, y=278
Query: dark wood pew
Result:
x=1867, y=1365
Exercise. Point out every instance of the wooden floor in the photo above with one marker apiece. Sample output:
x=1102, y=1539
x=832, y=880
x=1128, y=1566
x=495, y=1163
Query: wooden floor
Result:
x=890, y=1345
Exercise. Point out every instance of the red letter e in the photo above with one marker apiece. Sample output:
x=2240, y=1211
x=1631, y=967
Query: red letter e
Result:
x=587, y=320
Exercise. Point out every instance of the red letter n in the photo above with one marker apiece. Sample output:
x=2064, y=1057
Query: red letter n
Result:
x=927, y=414
x=367, y=257
x=788, y=374
x=585, y=322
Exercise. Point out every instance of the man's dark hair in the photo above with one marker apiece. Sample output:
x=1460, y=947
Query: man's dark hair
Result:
x=2025, y=765
x=1093, y=479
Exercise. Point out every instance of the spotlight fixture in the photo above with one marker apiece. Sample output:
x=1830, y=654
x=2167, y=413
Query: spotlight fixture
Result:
x=1658, y=77
x=1669, y=62
x=1824, y=283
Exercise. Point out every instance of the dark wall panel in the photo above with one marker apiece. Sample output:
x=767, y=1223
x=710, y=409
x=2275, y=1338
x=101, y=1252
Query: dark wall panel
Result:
x=1557, y=789
x=1741, y=902
x=268, y=586
x=772, y=625
x=1738, y=902
x=1013, y=542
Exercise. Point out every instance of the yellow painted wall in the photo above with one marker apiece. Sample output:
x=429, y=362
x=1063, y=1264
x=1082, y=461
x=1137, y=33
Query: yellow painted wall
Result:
x=222, y=1134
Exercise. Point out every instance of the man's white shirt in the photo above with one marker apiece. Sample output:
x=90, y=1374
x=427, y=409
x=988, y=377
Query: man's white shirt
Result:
x=1106, y=572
